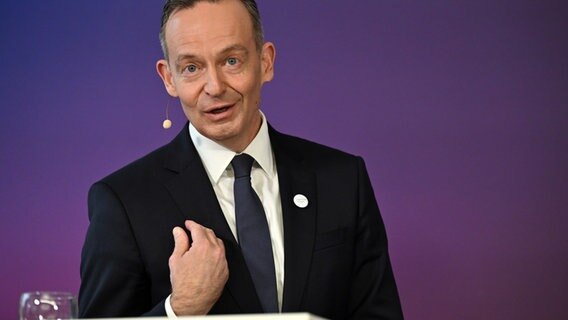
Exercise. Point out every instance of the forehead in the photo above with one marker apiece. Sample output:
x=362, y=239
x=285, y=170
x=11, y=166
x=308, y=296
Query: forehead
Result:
x=208, y=26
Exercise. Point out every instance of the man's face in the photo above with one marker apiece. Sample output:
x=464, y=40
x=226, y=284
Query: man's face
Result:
x=217, y=72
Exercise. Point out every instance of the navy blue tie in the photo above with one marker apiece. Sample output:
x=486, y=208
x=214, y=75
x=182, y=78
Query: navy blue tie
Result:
x=253, y=234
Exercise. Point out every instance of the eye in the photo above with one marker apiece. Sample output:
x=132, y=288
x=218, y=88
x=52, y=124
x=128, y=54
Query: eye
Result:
x=191, y=68
x=232, y=61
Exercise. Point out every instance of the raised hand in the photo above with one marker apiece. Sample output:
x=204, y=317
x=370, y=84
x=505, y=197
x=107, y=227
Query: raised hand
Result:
x=198, y=270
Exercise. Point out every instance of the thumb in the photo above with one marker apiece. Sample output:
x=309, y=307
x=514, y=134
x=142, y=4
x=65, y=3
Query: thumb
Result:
x=181, y=242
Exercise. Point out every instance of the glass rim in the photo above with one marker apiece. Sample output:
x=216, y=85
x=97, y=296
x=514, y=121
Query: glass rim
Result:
x=55, y=294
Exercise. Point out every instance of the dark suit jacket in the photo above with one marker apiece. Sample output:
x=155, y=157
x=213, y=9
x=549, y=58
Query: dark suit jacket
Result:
x=336, y=259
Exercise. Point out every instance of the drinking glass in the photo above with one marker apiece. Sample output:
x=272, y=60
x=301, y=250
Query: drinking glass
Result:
x=43, y=305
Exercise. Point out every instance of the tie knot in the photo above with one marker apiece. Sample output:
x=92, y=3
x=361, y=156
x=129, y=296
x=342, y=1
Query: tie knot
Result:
x=242, y=165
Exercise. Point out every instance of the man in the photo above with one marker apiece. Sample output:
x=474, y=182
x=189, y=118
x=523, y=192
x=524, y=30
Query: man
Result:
x=328, y=248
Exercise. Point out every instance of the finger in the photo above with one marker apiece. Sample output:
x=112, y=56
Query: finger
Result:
x=181, y=242
x=221, y=244
x=198, y=232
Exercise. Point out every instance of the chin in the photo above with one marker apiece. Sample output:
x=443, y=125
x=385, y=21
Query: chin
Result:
x=220, y=134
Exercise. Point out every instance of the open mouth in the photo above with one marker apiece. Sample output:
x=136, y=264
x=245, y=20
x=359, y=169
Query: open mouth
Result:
x=220, y=110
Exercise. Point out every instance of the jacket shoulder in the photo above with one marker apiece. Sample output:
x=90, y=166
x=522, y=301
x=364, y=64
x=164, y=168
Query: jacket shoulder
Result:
x=310, y=150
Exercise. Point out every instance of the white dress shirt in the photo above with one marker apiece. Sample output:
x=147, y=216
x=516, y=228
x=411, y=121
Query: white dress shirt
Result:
x=264, y=178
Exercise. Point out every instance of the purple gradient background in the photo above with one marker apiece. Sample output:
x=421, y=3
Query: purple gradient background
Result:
x=459, y=108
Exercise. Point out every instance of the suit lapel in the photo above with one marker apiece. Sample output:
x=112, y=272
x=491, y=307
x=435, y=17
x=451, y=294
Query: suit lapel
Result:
x=295, y=178
x=196, y=199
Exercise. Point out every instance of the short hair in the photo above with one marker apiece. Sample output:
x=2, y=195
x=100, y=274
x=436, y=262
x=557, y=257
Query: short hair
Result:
x=172, y=6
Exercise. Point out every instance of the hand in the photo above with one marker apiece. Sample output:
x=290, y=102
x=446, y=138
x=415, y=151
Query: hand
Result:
x=198, y=271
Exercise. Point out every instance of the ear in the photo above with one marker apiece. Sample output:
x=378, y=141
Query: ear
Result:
x=164, y=72
x=267, y=57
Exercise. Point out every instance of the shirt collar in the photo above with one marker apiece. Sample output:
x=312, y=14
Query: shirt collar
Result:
x=216, y=158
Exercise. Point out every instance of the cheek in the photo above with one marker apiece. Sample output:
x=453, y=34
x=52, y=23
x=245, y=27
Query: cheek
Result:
x=188, y=96
x=187, y=111
x=248, y=87
x=188, y=101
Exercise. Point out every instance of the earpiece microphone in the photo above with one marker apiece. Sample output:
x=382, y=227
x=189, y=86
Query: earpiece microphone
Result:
x=167, y=123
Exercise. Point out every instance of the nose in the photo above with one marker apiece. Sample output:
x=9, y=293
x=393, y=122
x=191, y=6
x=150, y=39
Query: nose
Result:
x=214, y=85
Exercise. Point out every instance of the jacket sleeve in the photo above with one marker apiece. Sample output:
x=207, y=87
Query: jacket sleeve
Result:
x=113, y=277
x=373, y=293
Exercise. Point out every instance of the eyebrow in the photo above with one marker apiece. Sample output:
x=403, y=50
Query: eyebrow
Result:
x=236, y=47
x=184, y=57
